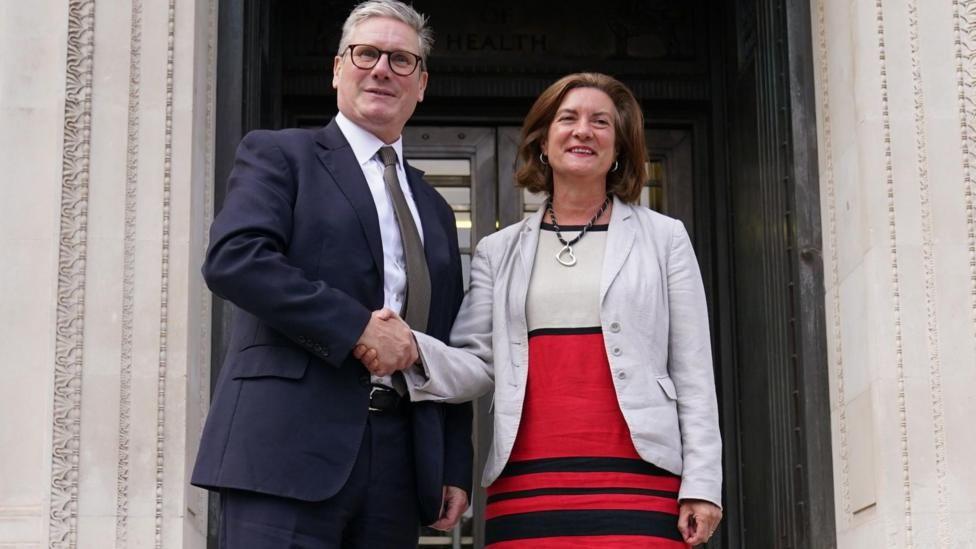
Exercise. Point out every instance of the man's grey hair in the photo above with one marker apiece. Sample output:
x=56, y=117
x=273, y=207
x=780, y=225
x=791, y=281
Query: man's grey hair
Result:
x=394, y=10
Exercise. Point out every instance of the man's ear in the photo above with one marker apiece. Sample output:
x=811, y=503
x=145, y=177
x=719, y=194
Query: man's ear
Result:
x=423, y=85
x=336, y=69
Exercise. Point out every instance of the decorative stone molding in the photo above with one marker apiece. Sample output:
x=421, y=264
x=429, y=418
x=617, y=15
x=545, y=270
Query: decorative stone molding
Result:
x=964, y=15
x=164, y=277
x=128, y=275
x=929, y=273
x=69, y=350
x=830, y=190
x=895, y=277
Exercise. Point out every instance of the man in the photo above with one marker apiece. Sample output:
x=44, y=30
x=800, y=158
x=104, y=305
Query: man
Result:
x=320, y=230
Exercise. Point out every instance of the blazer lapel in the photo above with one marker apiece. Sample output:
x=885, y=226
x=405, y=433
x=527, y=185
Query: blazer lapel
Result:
x=434, y=237
x=528, y=242
x=338, y=158
x=620, y=239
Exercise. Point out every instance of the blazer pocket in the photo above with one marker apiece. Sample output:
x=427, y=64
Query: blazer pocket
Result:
x=668, y=386
x=282, y=361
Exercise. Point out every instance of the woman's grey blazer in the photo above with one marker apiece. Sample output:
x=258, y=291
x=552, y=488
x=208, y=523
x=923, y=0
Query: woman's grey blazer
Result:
x=655, y=328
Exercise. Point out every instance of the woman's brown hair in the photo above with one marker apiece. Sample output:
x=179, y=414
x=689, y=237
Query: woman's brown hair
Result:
x=626, y=181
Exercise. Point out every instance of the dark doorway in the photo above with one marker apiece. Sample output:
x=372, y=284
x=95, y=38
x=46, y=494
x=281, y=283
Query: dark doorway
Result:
x=727, y=92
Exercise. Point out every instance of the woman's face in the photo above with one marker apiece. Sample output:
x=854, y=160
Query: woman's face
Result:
x=581, y=138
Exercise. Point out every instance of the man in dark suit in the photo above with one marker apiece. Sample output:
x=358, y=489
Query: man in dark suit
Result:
x=319, y=231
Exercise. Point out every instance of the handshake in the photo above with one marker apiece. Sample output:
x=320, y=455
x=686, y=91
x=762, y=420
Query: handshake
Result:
x=387, y=344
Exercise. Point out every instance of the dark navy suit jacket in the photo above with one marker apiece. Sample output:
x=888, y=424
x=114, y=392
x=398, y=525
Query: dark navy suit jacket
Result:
x=296, y=247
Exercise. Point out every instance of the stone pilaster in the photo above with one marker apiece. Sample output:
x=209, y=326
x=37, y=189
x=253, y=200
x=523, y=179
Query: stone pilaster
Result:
x=107, y=141
x=897, y=119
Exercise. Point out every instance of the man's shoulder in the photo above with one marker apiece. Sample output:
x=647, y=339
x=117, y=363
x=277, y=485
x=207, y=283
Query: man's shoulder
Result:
x=289, y=138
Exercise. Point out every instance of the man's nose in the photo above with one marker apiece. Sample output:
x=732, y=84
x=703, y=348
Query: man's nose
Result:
x=382, y=67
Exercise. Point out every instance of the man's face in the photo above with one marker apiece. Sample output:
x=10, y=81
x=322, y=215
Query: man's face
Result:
x=378, y=99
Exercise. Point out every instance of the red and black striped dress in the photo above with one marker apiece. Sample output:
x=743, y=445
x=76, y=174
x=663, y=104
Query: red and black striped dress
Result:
x=574, y=478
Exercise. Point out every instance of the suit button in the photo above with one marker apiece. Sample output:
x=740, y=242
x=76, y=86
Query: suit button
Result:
x=614, y=326
x=364, y=380
x=616, y=351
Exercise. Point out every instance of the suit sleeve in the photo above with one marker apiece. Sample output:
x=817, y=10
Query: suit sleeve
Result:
x=458, y=449
x=690, y=367
x=247, y=262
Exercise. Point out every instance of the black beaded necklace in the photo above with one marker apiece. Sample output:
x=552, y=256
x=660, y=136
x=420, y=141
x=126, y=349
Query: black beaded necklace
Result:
x=565, y=255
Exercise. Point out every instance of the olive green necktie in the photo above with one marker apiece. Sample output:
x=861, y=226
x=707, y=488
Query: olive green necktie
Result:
x=416, y=306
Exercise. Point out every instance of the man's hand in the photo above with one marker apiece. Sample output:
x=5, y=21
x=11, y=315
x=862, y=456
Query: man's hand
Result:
x=697, y=520
x=453, y=504
x=388, y=342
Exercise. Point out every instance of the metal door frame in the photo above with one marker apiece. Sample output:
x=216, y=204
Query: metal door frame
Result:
x=479, y=145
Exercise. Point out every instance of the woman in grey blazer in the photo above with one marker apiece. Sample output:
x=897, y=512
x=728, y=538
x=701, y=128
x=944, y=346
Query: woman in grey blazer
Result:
x=588, y=320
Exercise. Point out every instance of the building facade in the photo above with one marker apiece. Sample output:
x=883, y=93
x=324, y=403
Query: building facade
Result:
x=821, y=152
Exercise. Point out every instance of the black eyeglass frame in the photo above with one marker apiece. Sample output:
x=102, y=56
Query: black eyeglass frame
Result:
x=389, y=54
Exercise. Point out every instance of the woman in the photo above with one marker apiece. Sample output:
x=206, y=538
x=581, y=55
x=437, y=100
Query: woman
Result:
x=589, y=321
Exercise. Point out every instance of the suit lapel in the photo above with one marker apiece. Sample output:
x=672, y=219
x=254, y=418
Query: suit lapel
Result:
x=337, y=157
x=435, y=240
x=528, y=241
x=620, y=239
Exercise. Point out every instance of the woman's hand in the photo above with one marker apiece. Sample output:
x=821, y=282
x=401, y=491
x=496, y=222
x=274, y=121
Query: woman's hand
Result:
x=697, y=520
x=387, y=344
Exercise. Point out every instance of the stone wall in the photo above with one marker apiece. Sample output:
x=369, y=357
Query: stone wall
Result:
x=896, y=84
x=106, y=145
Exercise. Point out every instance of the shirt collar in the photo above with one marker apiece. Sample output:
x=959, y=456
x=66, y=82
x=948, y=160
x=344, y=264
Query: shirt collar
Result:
x=364, y=144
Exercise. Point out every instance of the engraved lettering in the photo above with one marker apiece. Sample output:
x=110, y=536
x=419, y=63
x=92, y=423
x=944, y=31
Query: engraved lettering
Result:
x=538, y=43
x=453, y=42
x=494, y=16
x=518, y=43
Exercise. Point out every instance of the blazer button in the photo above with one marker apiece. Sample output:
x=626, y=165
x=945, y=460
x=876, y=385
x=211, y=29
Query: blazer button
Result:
x=616, y=351
x=364, y=380
x=614, y=326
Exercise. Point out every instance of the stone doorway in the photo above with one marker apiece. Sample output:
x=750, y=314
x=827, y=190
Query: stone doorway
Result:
x=727, y=92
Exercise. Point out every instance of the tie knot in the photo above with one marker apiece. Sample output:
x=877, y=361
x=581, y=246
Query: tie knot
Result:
x=388, y=156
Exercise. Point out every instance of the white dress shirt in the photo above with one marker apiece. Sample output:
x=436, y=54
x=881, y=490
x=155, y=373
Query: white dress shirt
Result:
x=366, y=147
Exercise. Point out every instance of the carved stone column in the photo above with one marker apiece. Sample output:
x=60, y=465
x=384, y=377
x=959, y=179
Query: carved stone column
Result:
x=106, y=144
x=896, y=85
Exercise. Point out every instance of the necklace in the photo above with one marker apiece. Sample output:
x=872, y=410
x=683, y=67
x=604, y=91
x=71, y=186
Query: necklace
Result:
x=565, y=255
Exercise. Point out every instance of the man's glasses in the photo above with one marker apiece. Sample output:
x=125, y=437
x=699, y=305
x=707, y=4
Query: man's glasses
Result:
x=366, y=57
